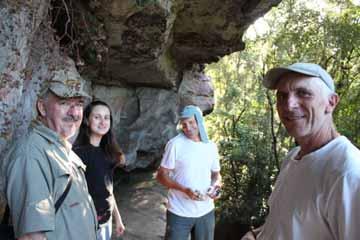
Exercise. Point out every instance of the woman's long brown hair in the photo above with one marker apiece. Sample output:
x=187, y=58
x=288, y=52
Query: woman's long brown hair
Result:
x=108, y=142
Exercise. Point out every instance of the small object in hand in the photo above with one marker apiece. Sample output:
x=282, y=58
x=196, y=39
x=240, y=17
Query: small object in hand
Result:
x=214, y=191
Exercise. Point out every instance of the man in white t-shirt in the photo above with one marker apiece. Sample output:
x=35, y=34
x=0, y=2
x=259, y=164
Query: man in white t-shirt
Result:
x=317, y=193
x=190, y=169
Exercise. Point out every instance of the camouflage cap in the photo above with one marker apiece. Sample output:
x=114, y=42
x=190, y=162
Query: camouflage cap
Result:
x=66, y=84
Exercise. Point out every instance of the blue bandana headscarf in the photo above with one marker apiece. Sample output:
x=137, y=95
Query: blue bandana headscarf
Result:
x=190, y=111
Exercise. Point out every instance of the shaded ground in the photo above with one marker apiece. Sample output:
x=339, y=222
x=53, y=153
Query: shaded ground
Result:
x=141, y=201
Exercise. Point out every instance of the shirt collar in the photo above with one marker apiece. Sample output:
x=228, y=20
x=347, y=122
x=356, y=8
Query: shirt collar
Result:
x=50, y=134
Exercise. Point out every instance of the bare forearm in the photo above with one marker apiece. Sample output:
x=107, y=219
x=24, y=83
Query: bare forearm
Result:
x=216, y=179
x=119, y=225
x=165, y=180
x=116, y=213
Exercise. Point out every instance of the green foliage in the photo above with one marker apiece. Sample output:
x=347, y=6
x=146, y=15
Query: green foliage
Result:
x=241, y=127
x=249, y=176
x=329, y=37
x=244, y=122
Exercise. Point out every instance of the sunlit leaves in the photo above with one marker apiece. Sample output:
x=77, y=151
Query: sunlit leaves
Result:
x=323, y=32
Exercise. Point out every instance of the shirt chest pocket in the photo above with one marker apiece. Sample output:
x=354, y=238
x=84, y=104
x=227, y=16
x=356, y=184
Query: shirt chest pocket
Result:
x=62, y=170
x=61, y=181
x=77, y=197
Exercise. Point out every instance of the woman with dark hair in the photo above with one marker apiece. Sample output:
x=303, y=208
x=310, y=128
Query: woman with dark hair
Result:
x=97, y=147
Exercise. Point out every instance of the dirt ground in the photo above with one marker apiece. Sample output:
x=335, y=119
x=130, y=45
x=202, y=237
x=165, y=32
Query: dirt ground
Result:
x=141, y=201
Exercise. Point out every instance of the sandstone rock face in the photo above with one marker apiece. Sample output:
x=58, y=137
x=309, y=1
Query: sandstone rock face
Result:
x=157, y=49
x=196, y=89
x=145, y=118
x=154, y=49
x=206, y=30
x=27, y=55
x=138, y=38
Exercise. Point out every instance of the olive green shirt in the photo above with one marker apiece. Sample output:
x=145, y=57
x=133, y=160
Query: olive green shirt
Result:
x=37, y=173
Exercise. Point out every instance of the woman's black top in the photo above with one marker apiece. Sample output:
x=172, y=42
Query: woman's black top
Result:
x=99, y=177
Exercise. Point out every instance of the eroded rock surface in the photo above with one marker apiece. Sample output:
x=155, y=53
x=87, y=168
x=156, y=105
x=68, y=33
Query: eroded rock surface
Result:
x=149, y=66
x=163, y=46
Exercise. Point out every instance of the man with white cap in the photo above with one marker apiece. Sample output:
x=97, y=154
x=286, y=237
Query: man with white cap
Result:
x=317, y=193
x=190, y=169
x=45, y=183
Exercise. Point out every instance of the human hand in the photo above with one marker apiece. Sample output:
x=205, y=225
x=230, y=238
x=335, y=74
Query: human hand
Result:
x=249, y=236
x=252, y=234
x=119, y=229
x=214, y=192
x=193, y=195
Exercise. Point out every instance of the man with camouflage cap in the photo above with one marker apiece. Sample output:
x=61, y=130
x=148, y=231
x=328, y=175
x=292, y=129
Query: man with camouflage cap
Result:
x=41, y=165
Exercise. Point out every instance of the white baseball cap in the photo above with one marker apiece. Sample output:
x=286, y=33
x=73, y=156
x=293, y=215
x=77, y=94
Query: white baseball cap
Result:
x=273, y=75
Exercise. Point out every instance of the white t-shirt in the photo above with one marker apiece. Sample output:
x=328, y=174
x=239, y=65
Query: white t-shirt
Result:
x=191, y=164
x=317, y=197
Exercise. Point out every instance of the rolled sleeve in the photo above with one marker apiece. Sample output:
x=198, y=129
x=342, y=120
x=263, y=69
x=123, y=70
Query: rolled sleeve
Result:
x=43, y=218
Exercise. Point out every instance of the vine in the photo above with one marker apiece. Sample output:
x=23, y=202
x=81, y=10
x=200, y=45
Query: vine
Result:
x=80, y=34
